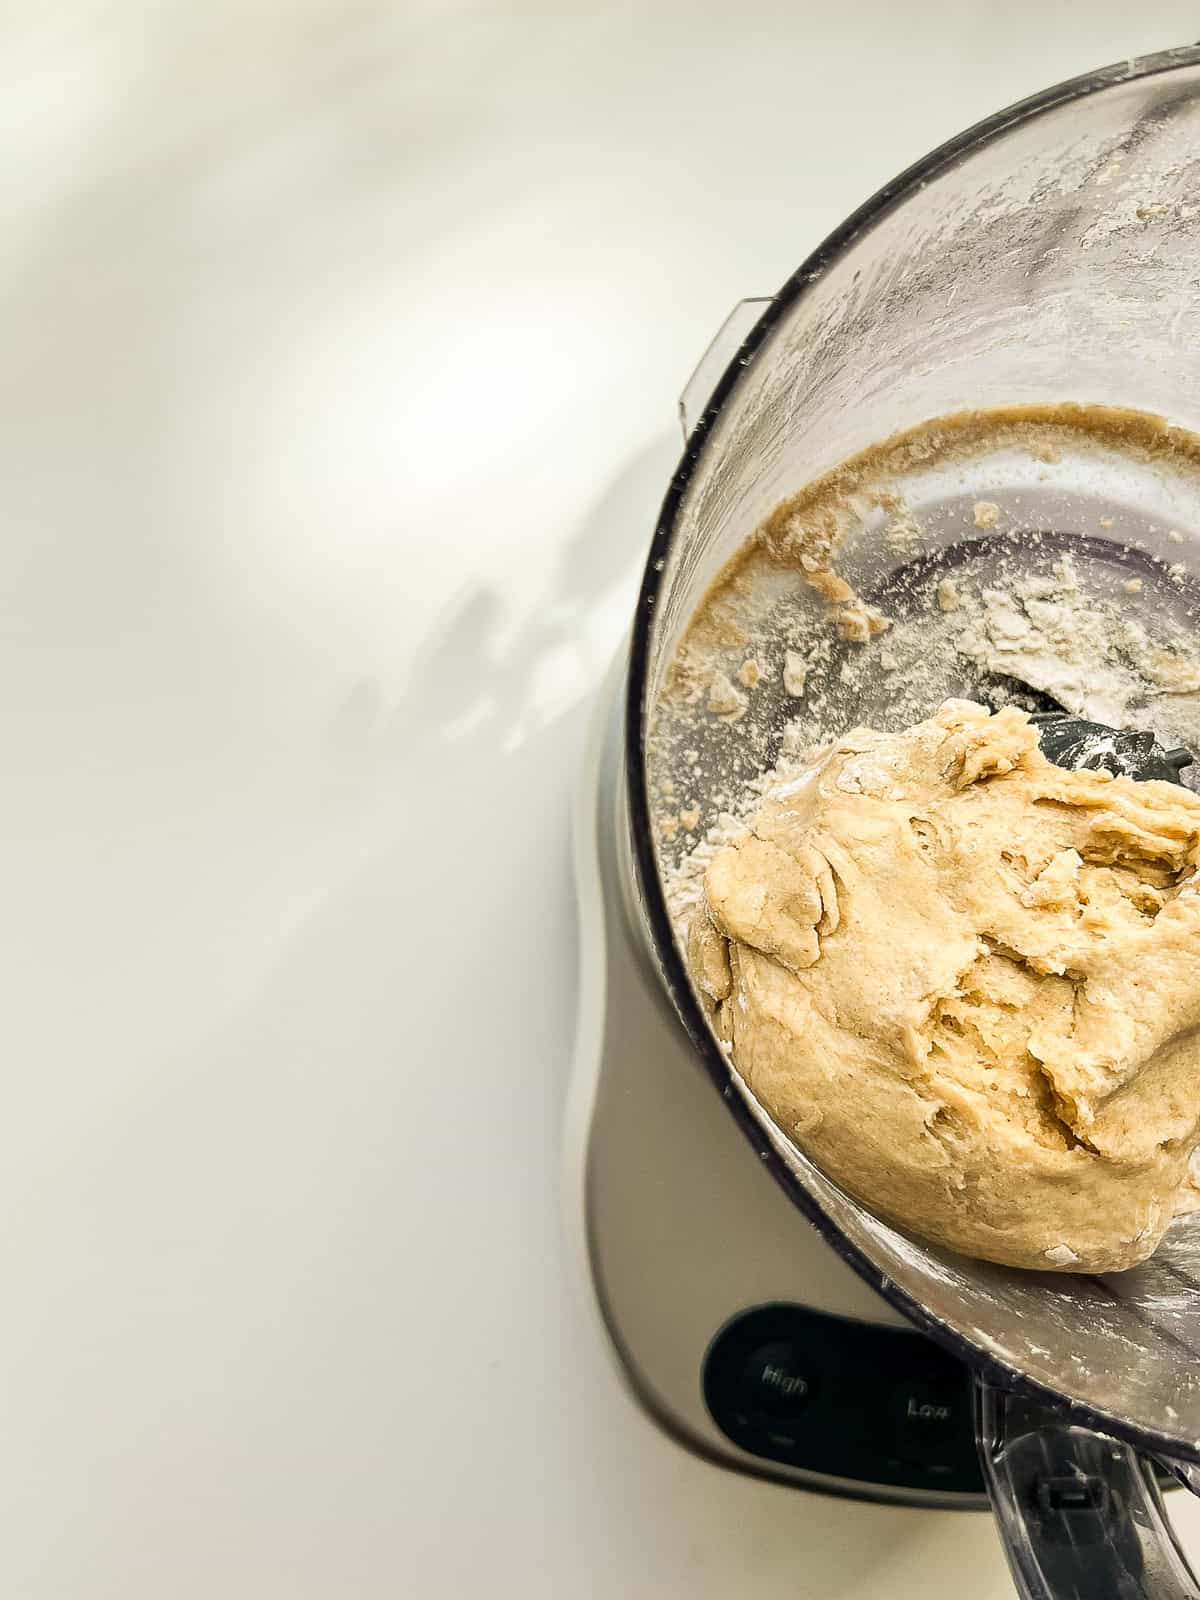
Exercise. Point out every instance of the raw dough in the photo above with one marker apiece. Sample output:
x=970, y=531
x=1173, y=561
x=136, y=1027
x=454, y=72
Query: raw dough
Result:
x=966, y=982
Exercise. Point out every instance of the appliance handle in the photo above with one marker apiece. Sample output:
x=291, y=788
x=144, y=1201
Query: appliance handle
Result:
x=728, y=340
x=1080, y=1514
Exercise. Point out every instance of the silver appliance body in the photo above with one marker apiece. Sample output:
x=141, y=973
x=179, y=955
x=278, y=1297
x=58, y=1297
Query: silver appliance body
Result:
x=1046, y=256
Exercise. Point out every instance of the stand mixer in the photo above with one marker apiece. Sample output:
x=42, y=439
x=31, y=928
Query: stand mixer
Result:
x=1044, y=256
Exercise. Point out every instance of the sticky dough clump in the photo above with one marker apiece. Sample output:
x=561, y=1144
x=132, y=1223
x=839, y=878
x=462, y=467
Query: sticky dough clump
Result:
x=966, y=983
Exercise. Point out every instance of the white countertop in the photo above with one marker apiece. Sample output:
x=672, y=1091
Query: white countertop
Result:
x=341, y=345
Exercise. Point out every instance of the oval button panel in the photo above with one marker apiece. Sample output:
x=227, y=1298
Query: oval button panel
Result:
x=875, y=1406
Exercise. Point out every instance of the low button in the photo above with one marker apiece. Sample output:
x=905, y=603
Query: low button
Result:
x=775, y=1381
x=931, y=1415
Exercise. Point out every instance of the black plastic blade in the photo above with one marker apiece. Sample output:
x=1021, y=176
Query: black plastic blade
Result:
x=1073, y=743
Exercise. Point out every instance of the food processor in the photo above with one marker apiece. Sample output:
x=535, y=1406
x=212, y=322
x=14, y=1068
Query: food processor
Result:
x=1047, y=256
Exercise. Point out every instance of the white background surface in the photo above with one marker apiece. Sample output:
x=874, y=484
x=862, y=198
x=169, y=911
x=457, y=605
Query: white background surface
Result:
x=341, y=347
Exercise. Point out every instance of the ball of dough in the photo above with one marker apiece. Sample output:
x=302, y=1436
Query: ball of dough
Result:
x=966, y=983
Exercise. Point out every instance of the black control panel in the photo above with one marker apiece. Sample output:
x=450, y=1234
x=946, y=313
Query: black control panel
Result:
x=873, y=1405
